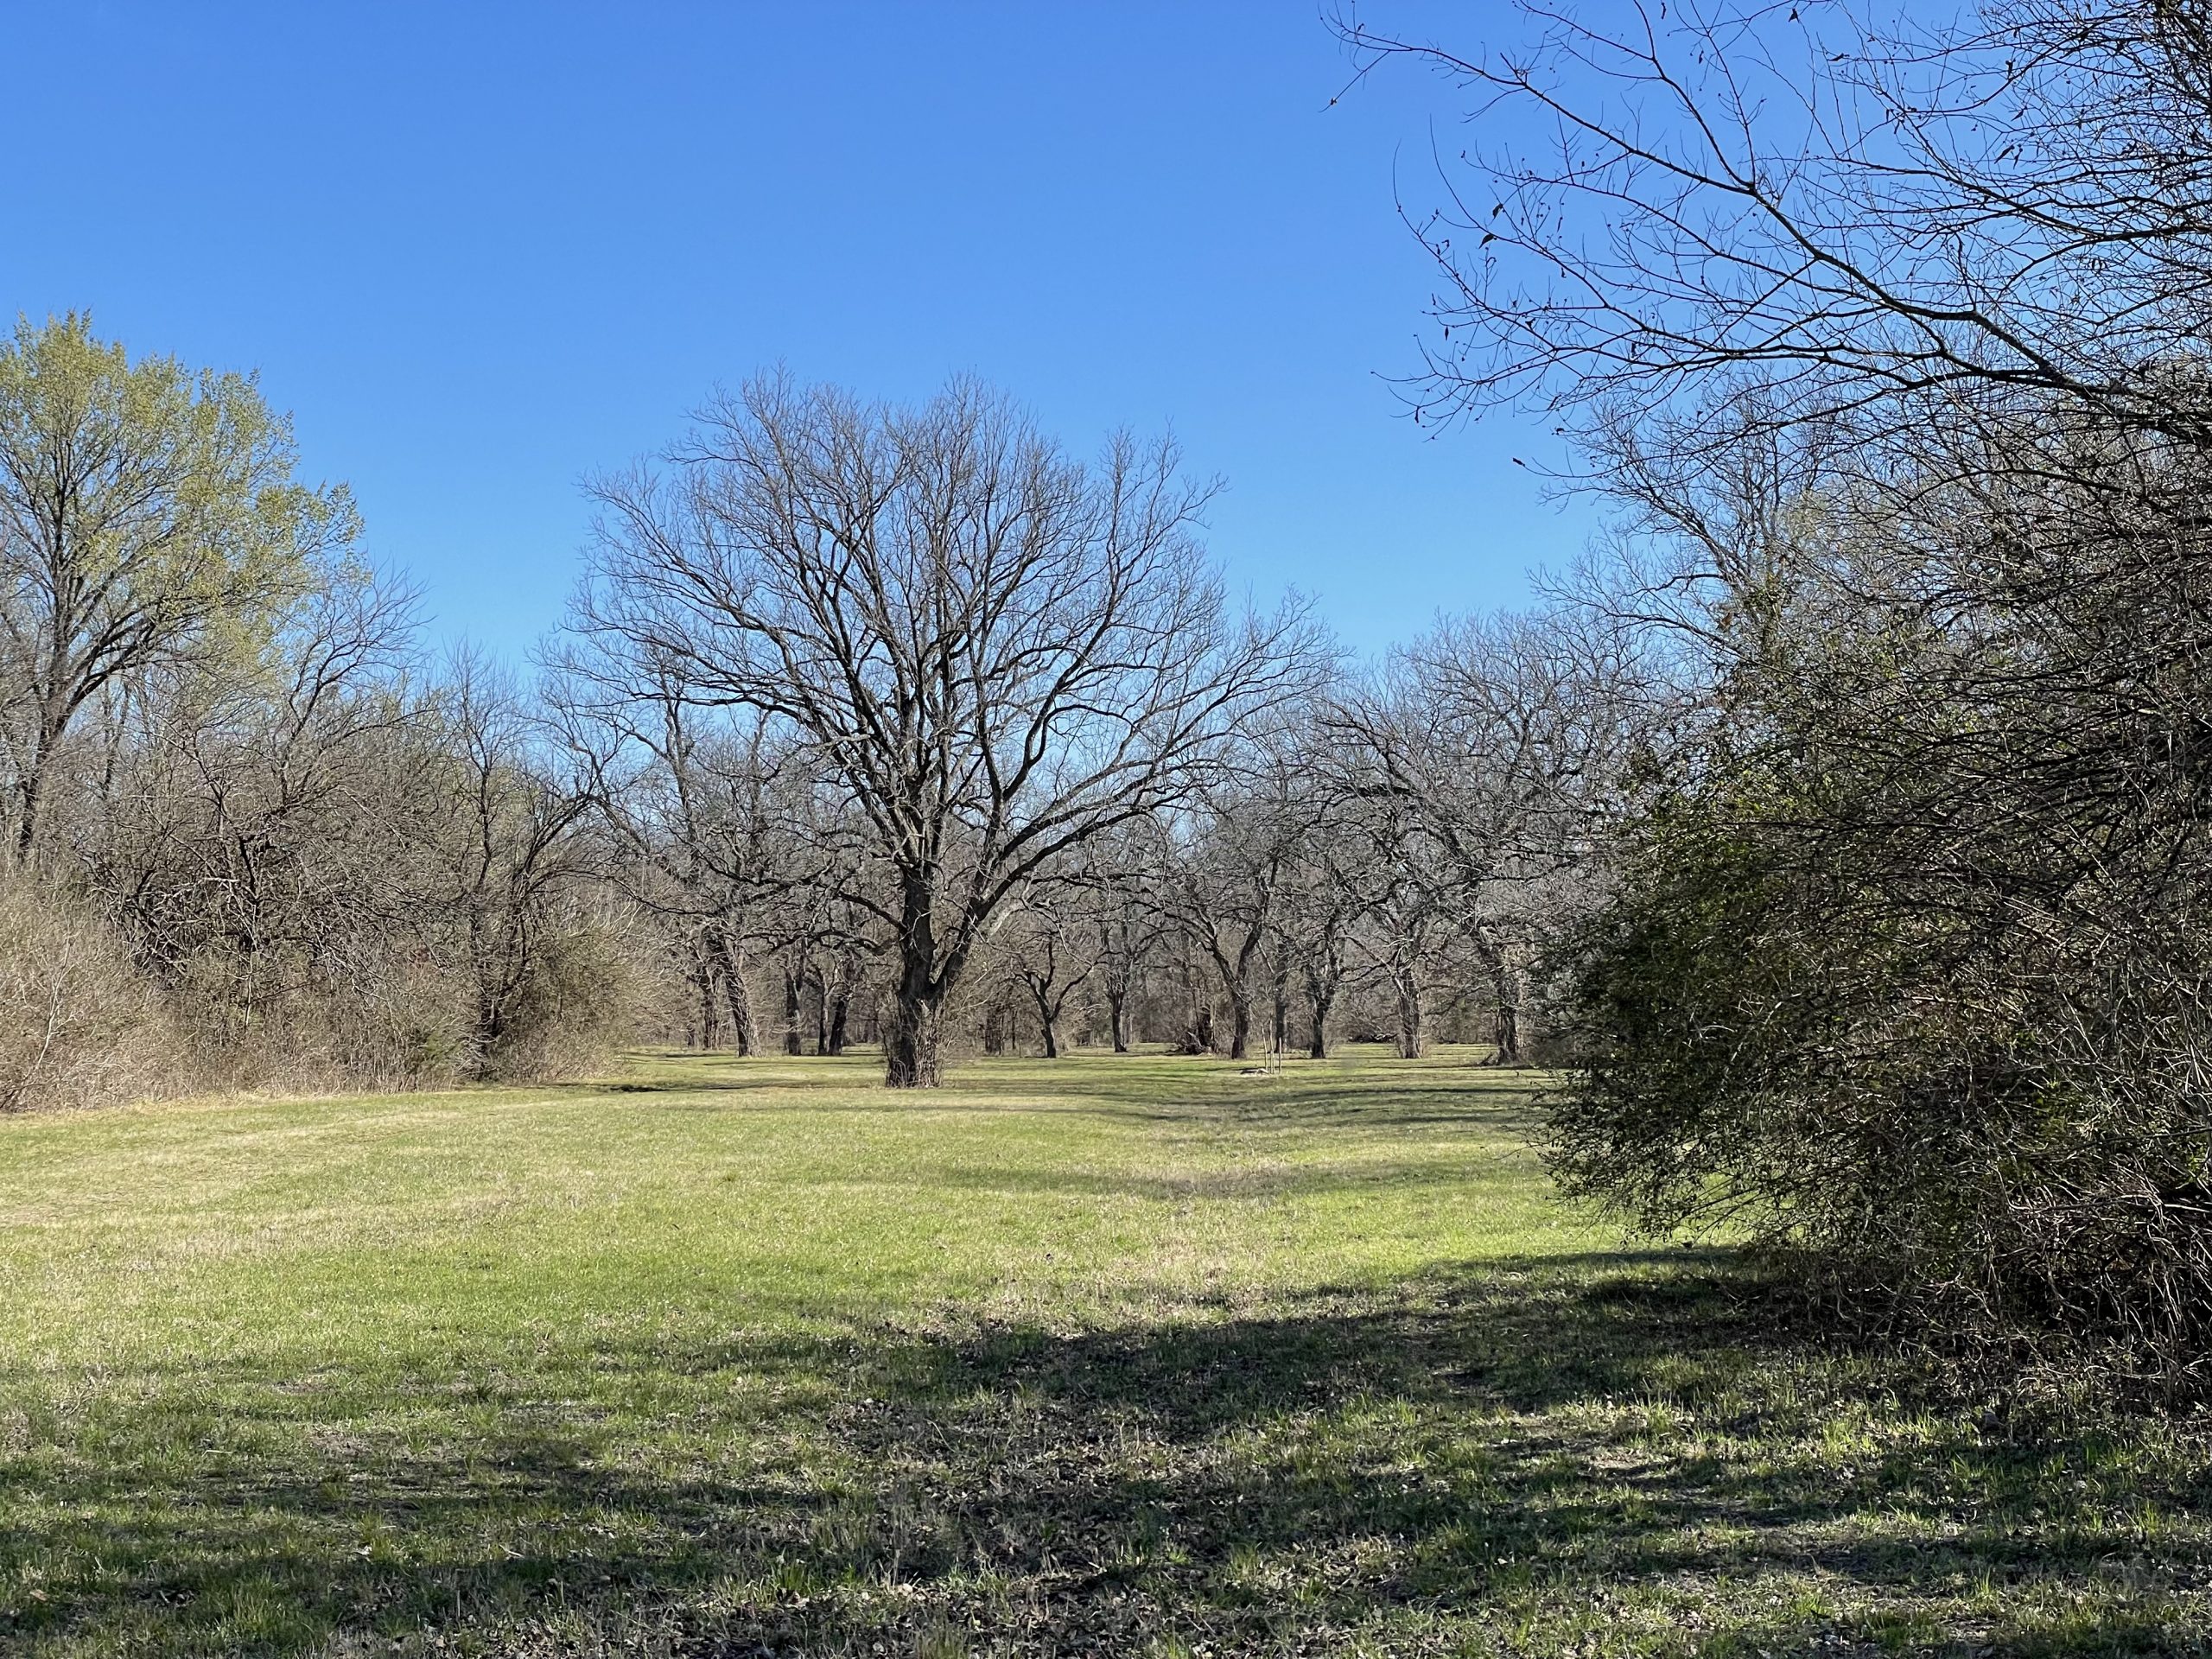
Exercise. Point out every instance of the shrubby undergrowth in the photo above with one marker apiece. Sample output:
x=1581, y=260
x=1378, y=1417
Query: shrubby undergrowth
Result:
x=251, y=835
x=78, y=1025
x=1887, y=338
x=1904, y=969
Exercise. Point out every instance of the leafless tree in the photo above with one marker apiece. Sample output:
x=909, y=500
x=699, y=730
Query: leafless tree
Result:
x=1320, y=906
x=1486, y=761
x=1052, y=952
x=1237, y=861
x=1407, y=918
x=998, y=652
x=1121, y=879
x=713, y=816
x=512, y=843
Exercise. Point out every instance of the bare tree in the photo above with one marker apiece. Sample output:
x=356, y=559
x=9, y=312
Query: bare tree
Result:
x=1408, y=920
x=1320, y=906
x=1052, y=952
x=509, y=842
x=1236, y=865
x=1122, y=880
x=251, y=824
x=710, y=814
x=998, y=652
x=1873, y=216
x=1484, y=763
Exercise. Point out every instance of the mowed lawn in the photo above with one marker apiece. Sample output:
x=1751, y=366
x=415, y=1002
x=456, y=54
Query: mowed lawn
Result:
x=1100, y=1356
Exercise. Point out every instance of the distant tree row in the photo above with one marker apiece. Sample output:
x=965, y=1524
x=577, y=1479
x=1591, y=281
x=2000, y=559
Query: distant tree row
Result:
x=933, y=715
x=1335, y=866
x=899, y=719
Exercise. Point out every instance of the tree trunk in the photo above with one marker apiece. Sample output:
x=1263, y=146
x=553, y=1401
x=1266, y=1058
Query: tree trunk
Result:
x=1240, y=1024
x=730, y=962
x=29, y=784
x=1318, y=1048
x=1409, y=1029
x=1048, y=1022
x=1505, y=987
x=840, y=1014
x=910, y=1040
x=1509, y=1017
x=703, y=977
x=26, y=816
x=794, y=1038
x=1117, y=1018
x=743, y=1038
x=911, y=1036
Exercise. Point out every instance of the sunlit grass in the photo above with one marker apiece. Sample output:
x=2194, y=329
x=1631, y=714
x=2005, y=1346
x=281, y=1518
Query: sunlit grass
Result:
x=1105, y=1355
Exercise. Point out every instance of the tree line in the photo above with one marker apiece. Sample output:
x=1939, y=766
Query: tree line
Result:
x=899, y=719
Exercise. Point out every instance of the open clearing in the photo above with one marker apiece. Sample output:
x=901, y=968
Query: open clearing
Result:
x=1130, y=1356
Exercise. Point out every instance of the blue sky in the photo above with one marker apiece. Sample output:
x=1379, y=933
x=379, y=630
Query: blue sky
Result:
x=480, y=250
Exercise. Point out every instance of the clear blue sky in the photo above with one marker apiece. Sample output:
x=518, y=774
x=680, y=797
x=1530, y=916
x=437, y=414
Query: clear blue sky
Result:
x=480, y=251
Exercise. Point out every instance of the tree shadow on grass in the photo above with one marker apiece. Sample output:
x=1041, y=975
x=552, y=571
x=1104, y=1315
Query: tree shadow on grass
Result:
x=1252, y=1182
x=1460, y=1097
x=1568, y=1454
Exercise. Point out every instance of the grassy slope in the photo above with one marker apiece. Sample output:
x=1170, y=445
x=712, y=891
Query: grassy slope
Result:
x=1103, y=1355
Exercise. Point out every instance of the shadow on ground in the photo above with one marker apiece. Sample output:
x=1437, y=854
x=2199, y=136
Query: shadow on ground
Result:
x=1612, y=1453
x=1452, y=1092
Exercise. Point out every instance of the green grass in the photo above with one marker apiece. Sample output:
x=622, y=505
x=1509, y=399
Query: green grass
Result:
x=1105, y=1355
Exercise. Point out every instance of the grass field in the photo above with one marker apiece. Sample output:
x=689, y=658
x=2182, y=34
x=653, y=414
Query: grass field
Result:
x=1105, y=1355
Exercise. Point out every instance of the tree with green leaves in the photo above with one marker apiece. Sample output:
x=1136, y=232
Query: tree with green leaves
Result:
x=149, y=514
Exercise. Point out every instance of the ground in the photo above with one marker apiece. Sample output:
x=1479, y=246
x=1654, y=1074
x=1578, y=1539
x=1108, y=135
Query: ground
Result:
x=1107, y=1355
